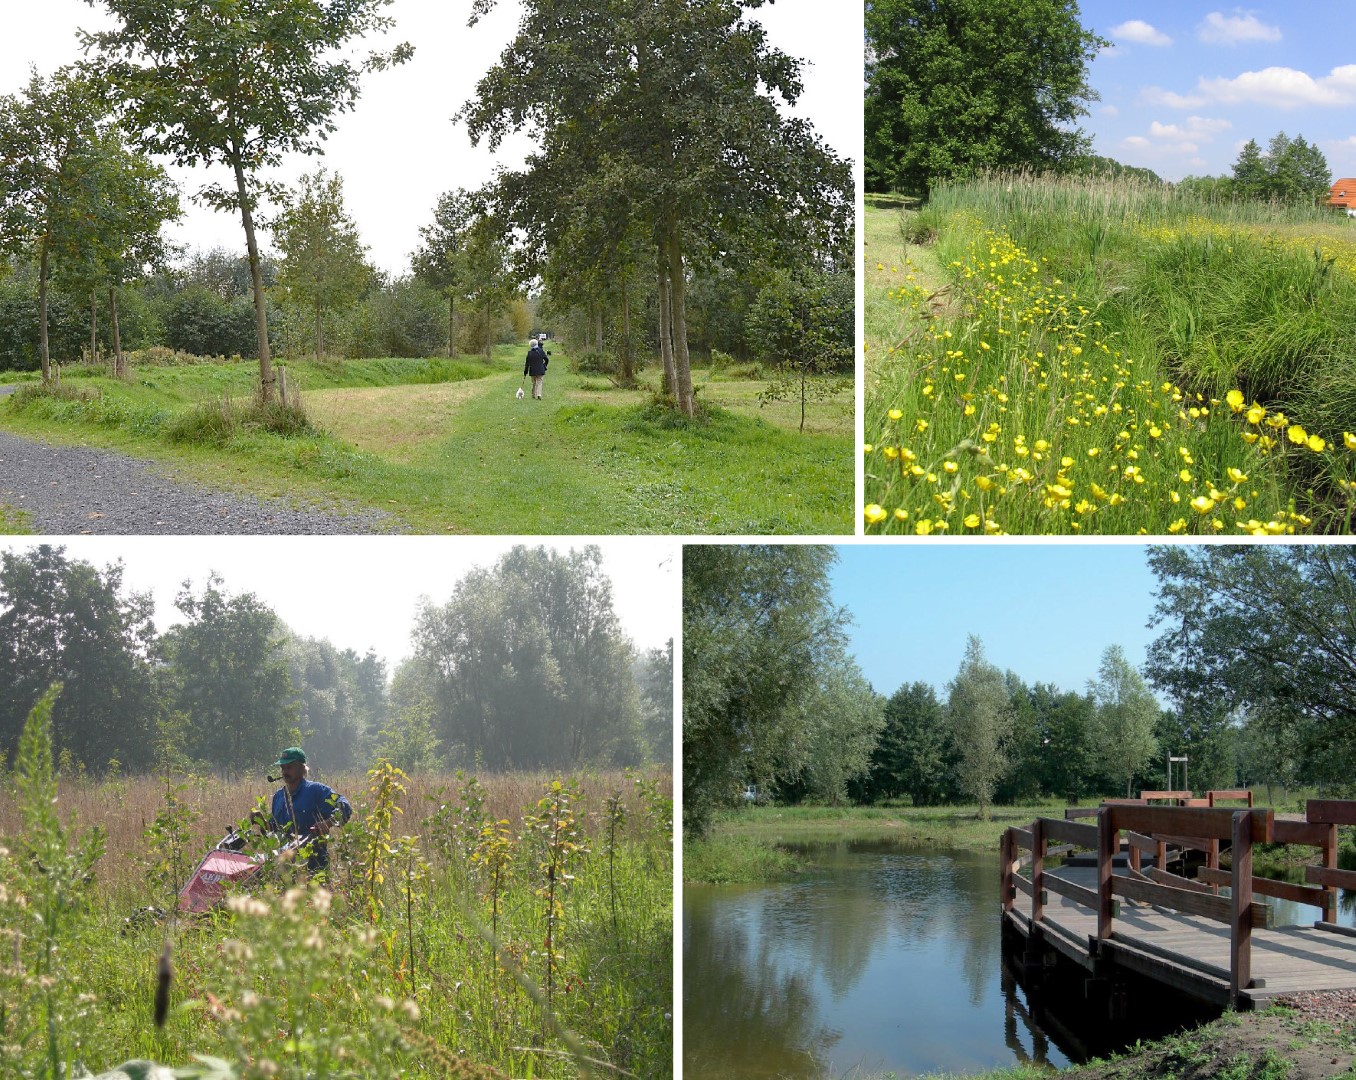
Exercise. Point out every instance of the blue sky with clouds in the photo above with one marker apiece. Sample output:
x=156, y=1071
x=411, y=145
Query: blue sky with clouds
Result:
x=1184, y=85
x=1046, y=610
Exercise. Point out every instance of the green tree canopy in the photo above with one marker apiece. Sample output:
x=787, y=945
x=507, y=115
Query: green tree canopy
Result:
x=959, y=85
x=1291, y=170
x=980, y=711
x=1264, y=633
x=757, y=627
x=240, y=83
x=66, y=621
x=323, y=263
x=1126, y=718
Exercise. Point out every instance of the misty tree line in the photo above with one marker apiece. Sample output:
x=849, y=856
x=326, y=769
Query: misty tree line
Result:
x=666, y=182
x=524, y=667
x=1256, y=660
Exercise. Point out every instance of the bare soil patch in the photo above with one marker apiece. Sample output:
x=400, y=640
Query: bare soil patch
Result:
x=393, y=422
x=1304, y=1037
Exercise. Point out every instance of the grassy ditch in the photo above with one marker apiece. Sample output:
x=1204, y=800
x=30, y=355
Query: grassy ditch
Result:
x=1106, y=357
x=519, y=926
x=445, y=446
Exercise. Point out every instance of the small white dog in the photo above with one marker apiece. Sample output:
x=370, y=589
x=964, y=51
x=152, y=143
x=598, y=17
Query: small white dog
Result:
x=520, y=393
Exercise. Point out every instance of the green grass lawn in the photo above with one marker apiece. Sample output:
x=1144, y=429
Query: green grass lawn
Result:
x=447, y=447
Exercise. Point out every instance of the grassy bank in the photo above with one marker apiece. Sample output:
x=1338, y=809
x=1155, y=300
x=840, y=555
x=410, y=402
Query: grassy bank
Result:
x=517, y=927
x=445, y=446
x=1096, y=357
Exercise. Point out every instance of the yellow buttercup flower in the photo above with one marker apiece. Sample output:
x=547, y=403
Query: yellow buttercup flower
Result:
x=1236, y=475
x=1236, y=400
x=1349, y=440
x=972, y=521
x=896, y=414
x=874, y=513
x=1316, y=444
x=1202, y=504
x=1296, y=434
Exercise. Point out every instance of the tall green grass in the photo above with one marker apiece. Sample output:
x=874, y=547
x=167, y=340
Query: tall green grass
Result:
x=1174, y=307
x=423, y=953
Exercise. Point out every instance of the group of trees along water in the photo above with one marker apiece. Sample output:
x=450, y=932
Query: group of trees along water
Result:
x=954, y=87
x=1254, y=668
x=524, y=667
x=669, y=205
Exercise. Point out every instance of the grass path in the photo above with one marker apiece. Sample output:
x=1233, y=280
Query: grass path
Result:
x=468, y=457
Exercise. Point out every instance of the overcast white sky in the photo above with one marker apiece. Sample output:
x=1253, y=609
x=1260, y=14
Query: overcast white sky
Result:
x=399, y=150
x=361, y=592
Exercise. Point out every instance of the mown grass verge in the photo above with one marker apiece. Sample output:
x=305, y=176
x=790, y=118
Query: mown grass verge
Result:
x=1103, y=358
x=404, y=439
x=448, y=942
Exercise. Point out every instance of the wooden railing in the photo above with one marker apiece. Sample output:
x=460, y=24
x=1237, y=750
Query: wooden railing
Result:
x=1139, y=828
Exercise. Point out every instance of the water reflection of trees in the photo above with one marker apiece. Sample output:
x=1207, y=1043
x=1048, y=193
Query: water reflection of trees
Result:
x=746, y=1012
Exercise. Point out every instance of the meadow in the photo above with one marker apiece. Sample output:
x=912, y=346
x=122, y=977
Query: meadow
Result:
x=1073, y=356
x=445, y=447
x=515, y=926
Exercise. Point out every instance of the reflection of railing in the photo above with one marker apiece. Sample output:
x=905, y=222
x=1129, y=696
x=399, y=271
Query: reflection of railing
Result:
x=1128, y=830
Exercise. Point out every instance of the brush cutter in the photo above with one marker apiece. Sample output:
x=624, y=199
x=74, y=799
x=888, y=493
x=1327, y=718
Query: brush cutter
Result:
x=226, y=864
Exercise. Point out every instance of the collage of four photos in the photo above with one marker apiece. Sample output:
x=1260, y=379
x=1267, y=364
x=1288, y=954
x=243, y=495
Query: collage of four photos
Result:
x=677, y=538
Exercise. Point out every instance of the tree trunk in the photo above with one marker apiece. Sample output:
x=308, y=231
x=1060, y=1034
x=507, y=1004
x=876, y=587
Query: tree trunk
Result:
x=319, y=331
x=628, y=367
x=451, y=326
x=678, y=298
x=598, y=329
x=665, y=329
x=119, y=368
x=93, y=326
x=489, y=330
x=267, y=380
x=44, y=353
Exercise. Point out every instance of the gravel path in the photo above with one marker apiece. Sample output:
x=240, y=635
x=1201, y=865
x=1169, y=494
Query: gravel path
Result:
x=69, y=489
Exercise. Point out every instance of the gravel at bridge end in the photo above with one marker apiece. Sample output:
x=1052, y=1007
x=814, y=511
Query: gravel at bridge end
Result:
x=72, y=489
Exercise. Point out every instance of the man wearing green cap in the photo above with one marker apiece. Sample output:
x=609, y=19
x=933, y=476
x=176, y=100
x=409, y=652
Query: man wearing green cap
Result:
x=305, y=807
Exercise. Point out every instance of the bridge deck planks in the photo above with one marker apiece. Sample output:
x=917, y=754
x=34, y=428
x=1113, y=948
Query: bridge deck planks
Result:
x=1288, y=958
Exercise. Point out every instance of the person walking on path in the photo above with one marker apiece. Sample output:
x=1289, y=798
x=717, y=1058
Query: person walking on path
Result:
x=536, y=364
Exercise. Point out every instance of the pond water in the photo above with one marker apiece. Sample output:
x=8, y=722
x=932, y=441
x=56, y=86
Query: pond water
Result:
x=881, y=959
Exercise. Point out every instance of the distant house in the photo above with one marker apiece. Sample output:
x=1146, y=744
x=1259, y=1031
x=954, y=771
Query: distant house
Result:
x=1344, y=195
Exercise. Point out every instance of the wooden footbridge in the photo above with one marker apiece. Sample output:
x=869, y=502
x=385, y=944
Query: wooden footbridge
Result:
x=1100, y=894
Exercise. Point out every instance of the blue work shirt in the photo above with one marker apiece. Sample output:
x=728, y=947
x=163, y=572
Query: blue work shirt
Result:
x=312, y=802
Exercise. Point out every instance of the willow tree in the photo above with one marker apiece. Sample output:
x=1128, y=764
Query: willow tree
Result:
x=676, y=101
x=239, y=83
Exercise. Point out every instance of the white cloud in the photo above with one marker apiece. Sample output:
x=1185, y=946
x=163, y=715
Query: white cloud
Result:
x=1283, y=87
x=1140, y=32
x=1279, y=87
x=1196, y=127
x=1156, y=95
x=1221, y=29
x=1136, y=142
x=1110, y=110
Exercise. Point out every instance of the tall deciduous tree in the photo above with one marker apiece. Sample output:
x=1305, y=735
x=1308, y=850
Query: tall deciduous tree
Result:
x=240, y=83
x=440, y=261
x=69, y=622
x=47, y=138
x=671, y=106
x=230, y=680
x=323, y=263
x=1266, y=632
x=959, y=85
x=757, y=623
x=914, y=755
x=981, y=715
x=526, y=666
x=1127, y=715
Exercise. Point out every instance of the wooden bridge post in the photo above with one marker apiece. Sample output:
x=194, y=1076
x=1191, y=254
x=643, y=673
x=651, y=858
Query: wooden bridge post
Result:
x=1330, y=862
x=1240, y=930
x=1006, y=846
x=1108, y=844
x=1037, y=870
